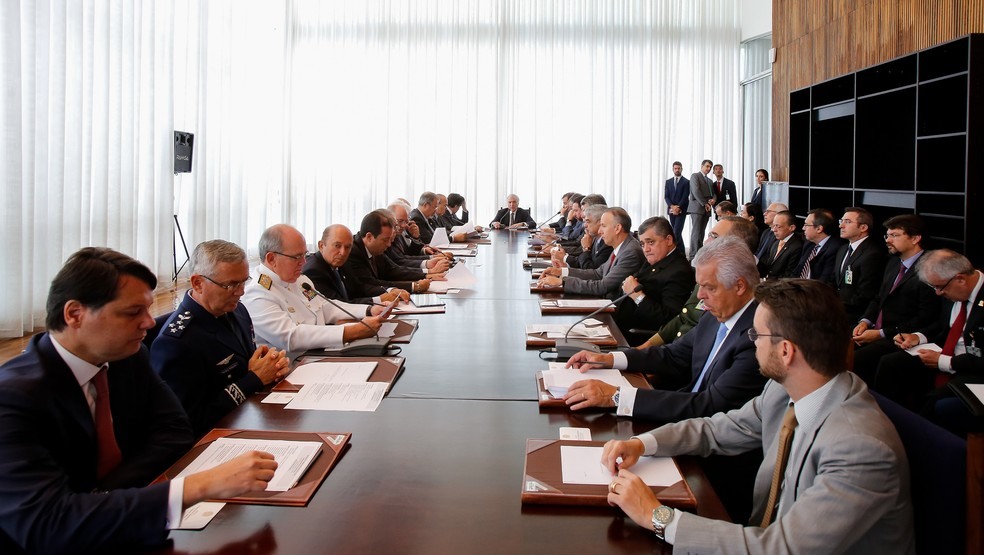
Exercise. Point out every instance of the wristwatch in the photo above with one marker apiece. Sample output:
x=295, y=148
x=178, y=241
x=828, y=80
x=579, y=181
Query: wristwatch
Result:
x=662, y=516
x=615, y=396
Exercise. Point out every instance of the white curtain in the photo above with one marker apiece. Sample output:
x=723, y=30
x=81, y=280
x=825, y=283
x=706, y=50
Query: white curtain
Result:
x=85, y=114
x=314, y=112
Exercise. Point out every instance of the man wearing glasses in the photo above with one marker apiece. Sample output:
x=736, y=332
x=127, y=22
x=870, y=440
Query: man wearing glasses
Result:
x=767, y=239
x=958, y=331
x=205, y=351
x=287, y=311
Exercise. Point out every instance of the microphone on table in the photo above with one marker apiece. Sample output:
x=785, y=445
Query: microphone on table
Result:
x=538, y=226
x=370, y=346
x=566, y=348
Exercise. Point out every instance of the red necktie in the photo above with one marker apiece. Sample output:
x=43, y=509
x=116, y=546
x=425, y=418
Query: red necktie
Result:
x=719, y=187
x=109, y=455
x=956, y=330
x=611, y=260
x=898, y=278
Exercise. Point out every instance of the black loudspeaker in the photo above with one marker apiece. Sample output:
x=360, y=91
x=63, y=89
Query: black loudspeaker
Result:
x=184, y=144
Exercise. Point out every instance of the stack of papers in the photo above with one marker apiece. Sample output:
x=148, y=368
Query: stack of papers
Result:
x=583, y=303
x=336, y=386
x=557, y=380
x=293, y=458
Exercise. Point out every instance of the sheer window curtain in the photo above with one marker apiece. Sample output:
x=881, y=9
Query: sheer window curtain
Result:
x=85, y=114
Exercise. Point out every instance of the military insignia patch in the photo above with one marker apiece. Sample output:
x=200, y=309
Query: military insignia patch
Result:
x=265, y=281
x=224, y=361
x=309, y=294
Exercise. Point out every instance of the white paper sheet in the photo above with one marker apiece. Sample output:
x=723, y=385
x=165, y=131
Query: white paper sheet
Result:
x=914, y=351
x=557, y=331
x=387, y=329
x=582, y=465
x=577, y=434
x=558, y=381
x=332, y=372
x=440, y=238
x=278, y=398
x=459, y=277
x=363, y=397
x=582, y=303
x=293, y=457
x=199, y=515
x=977, y=389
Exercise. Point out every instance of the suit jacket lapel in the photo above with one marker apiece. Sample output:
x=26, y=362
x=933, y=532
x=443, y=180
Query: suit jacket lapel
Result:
x=66, y=387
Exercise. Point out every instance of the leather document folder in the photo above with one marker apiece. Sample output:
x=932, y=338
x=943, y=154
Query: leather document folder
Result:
x=334, y=444
x=543, y=480
x=551, y=307
x=546, y=400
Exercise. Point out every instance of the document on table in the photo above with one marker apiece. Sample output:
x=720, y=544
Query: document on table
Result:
x=557, y=331
x=293, y=457
x=558, y=380
x=332, y=372
x=582, y=303
x=582, y=465
x=362, y=397
x=440, y=238
x=459, y=277
x=199, y=515
x=387, y=329
x=978, y=390
x=914, y=351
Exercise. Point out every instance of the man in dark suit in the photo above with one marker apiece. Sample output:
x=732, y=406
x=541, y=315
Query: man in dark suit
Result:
x=785, y=252
x=693, y=308
x=512, y=216
x=717, y=356
x=369, y=267
x=903, y=303
x=859, y=265
x=666, y=282
x=829, y=449
x=625, y=260
x=406, y=250
x=594, y=251
x=676, y=193
x=87, y=424
x=700, y=202
x=817, y=258
x=767, y=239
x=456, y=202
x=423, y=215
x=326, y=269
x=206, y=351
x=958, y=330
x=724, y=188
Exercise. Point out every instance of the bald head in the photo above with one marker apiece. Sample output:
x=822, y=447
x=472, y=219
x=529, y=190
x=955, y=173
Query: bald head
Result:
x=335, y=245
x=772, y=210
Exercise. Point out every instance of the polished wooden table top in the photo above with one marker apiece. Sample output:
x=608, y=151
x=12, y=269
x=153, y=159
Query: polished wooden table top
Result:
x=438, y=467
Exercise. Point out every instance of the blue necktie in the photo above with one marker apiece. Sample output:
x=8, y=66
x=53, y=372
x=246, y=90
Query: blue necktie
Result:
x=722, y=331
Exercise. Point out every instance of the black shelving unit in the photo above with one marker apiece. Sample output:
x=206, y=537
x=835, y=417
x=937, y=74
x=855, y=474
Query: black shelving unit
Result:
x=896, y=138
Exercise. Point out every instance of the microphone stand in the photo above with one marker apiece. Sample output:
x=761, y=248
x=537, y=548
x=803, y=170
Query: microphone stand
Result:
x=566, y=348
x=375, y=345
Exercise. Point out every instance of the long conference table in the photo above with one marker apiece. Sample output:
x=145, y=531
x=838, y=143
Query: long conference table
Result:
x=438, y=467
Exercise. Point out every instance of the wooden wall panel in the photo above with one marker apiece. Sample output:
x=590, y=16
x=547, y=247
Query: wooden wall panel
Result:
x=817, y=40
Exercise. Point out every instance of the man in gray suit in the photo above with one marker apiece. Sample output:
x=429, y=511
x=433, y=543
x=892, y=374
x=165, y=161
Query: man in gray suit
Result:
x=699, y=206
x=605, y=281
x=842, y=482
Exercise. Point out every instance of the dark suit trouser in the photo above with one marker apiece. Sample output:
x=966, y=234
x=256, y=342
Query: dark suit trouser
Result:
x=866, y=358
x=698, y=225
x=677, y=223
x=904, y=379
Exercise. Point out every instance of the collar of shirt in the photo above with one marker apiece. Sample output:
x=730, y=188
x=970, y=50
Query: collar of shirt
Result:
x=616, y=249
x=823, y=241
x=975, y=292
x=808, y=408
x=856, y=244
x=82, y=370
x=730, y=322
x=909, y=262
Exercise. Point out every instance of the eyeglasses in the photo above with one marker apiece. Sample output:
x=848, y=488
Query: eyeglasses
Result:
x=753, y=335
x=845, y=221
x=232, y=285
x=893, y=236
x=295, y=257
x=810, y=225
x=940, y=289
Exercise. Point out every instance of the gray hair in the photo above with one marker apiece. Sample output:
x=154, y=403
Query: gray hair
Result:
x=621, y=217
x=209, y=254
x=511, y=195
x=426, y=197
x=734, y=260
x=400, y=202
x=272, y=240
x=594, y=211
x=943, y=264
